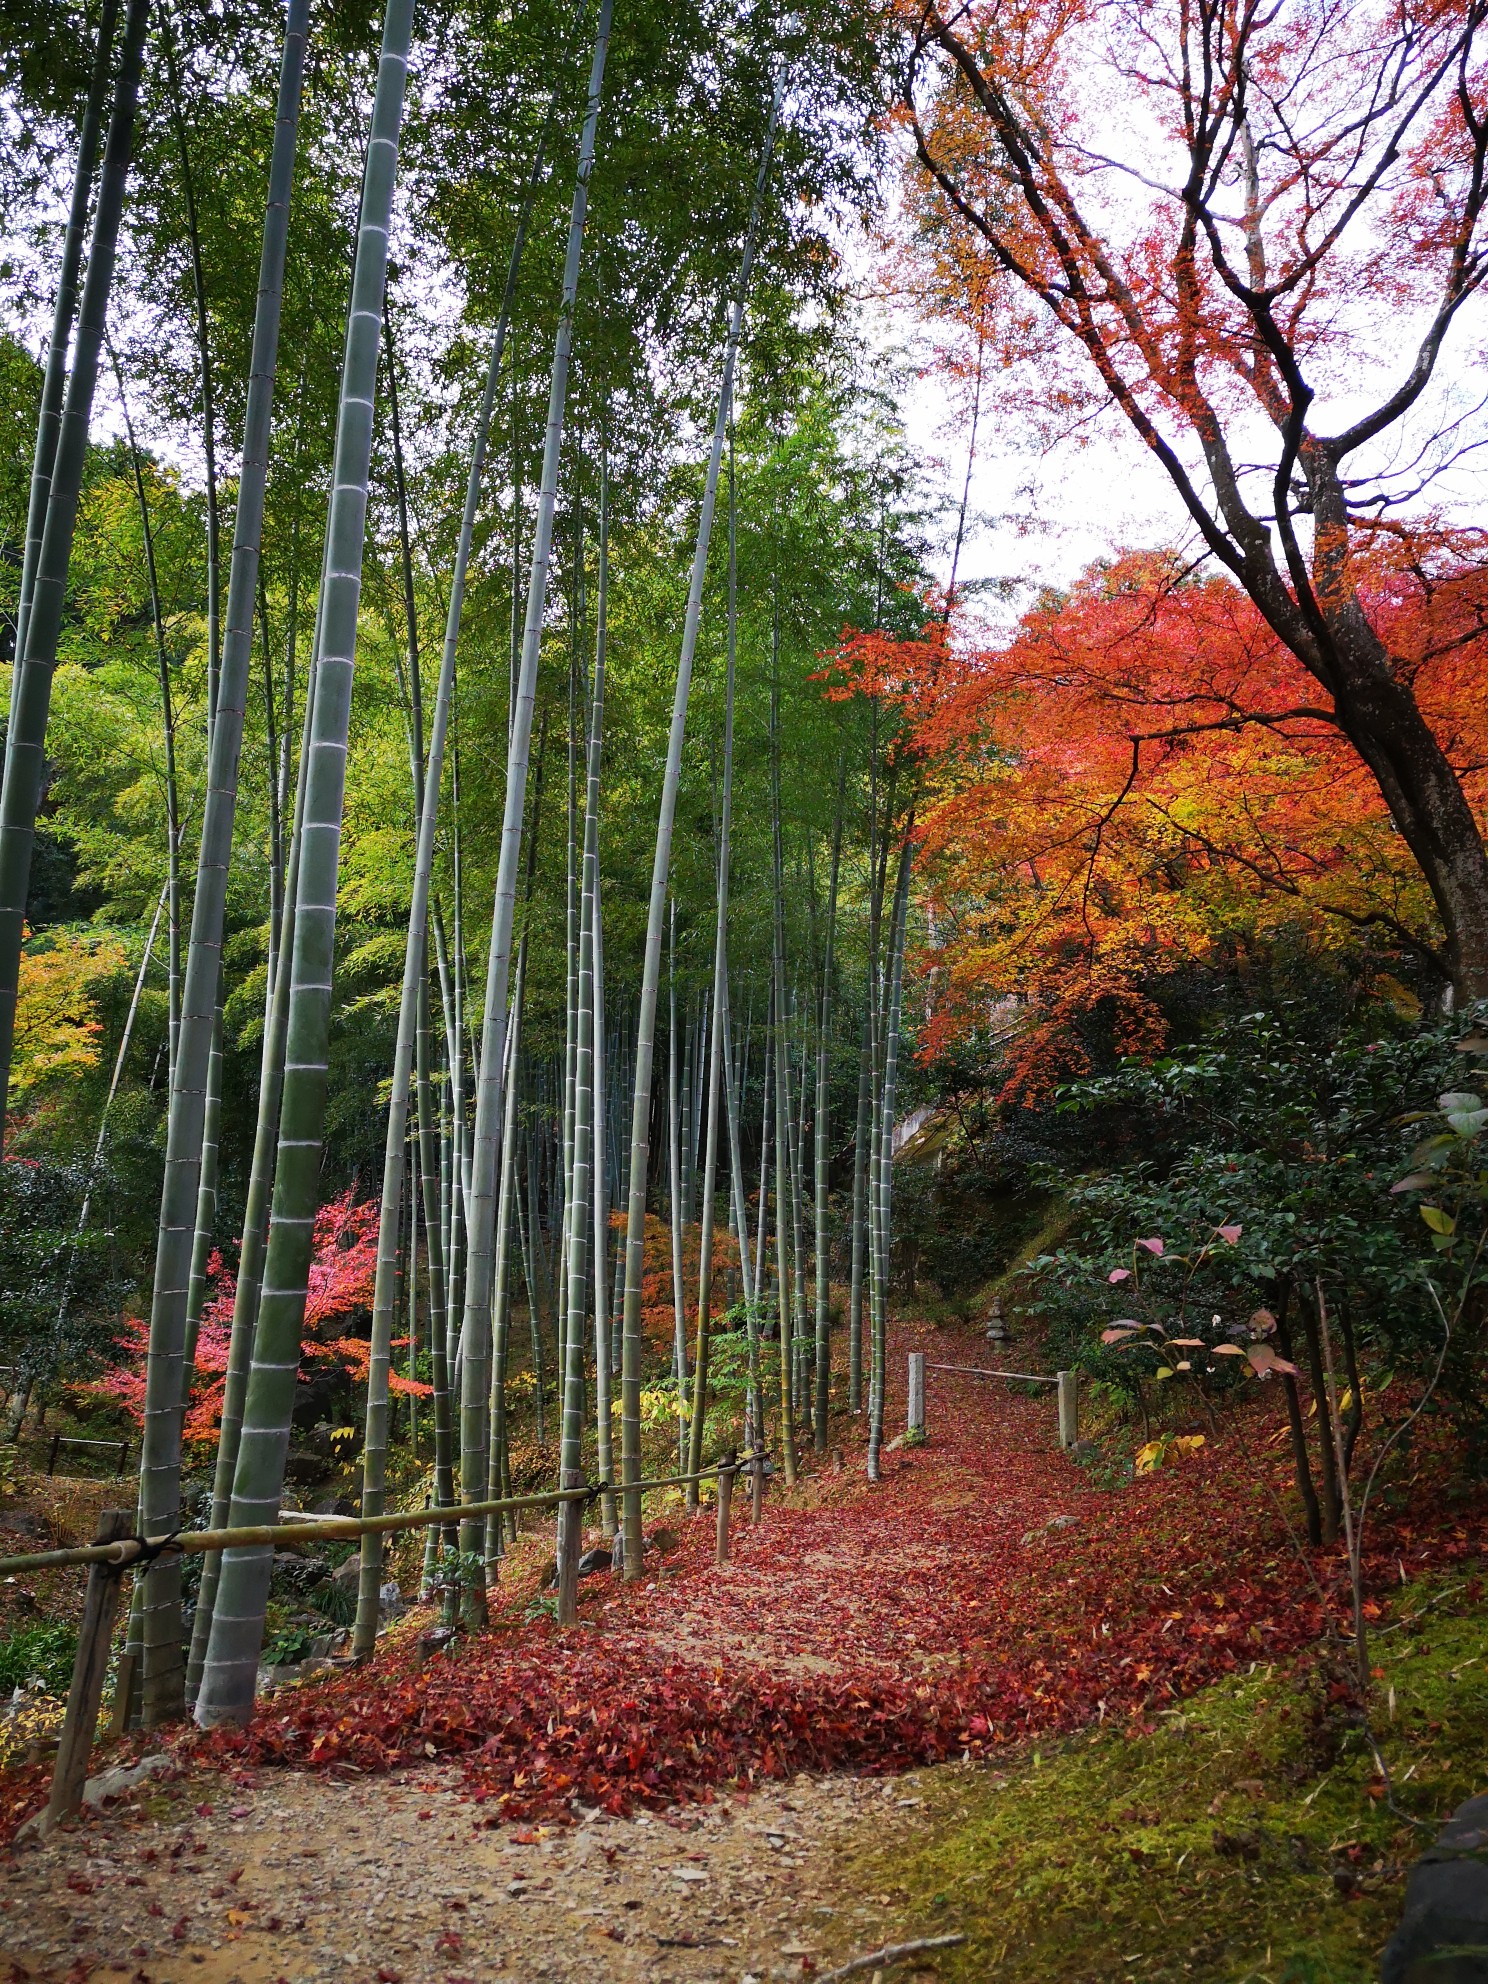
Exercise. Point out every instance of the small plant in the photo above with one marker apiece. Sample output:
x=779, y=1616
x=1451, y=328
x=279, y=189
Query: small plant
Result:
x=38, y=1657
x=289, y=1646
x=457, y=1573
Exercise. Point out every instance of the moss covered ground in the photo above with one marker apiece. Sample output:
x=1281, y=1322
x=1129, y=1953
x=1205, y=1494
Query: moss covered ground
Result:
x=1245, y=1836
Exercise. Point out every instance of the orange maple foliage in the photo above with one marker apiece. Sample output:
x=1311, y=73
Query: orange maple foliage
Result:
x=1145, y=776
x=1257, y=234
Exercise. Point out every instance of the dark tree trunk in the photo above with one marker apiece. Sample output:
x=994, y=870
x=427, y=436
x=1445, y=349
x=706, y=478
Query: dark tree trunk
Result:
x=1298, y=1426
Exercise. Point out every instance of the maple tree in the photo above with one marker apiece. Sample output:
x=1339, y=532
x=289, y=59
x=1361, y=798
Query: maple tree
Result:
x=1135, y=781
x=58, y=1031
x=1249, y=230
x=343, y=1267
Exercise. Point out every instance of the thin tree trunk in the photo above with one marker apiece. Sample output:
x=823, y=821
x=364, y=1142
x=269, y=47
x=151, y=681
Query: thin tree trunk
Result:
x=885, y=1161
x=204, y=365
x=602, y=1374
x=190, y=1188
x=674, y=1195
x=54, y=379
x=640, y=1133
x=497, y=1470
x=823, y=1137
x=25, y=746
x=571, y=1514
x=168, y=737
x=237, y=1627
x=720, y=1011
x=489, y=1104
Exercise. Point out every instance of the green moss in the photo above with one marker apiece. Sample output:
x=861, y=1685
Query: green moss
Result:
x=1240, y=1837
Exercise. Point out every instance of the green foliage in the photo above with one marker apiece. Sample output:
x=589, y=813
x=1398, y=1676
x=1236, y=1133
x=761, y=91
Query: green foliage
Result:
x=1289, y=1147
x=57, y=1289
x=38, y=1656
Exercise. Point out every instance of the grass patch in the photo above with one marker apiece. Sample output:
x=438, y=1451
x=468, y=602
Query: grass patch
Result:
x=1241, y=1838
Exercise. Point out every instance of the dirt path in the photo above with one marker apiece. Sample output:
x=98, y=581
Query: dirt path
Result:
x=987, y=1591
x=309, y=1880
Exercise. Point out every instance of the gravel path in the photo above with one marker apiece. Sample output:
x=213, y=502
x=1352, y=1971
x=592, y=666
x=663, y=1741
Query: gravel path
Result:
x=306, y=1879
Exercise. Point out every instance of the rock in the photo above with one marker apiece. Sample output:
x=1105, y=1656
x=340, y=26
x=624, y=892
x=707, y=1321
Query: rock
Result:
x=1443, y=1934
x=596, y=1560
x=108, y=1784
x=30, y=1528
x=664, y=1540
x=389, y=1600
x=348, y=1576
x=333, y=1505
x=1085, y=1450
x=549, y=1576
x=437, y=1640
x=1062, y=1522
x=123, y=1777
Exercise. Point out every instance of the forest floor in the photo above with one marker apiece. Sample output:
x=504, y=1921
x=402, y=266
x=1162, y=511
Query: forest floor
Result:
x=1002, y=1694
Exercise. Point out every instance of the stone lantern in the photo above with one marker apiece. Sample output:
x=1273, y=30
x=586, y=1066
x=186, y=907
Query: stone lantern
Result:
x=997, y=1329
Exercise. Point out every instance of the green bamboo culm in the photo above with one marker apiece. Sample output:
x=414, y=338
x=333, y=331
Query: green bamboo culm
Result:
x=883, y=1160
x=586, y=1131
x=640, y=1122
x=489, y=1093
x=54, y=379
x=191, y=1131
x=412, y=1005
x=823, y=1154
x=720, y=1011
x=229, y=1675
x=26, y=742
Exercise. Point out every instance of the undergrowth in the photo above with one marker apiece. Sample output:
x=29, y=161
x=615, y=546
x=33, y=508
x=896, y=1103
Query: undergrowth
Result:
x=1240, y=1838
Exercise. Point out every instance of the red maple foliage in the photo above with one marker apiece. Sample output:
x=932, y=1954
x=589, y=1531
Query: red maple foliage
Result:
x=1143, y=776
x=343, y=1270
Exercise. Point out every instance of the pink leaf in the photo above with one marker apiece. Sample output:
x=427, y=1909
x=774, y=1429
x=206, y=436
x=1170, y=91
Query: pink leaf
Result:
x=1119, y=1274
x=1121, y=1334
x=1153, y=1246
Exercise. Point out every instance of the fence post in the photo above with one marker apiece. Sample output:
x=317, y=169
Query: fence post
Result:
x=1069, y=1409
x=725, y=1500
x=100, y=1607
x=917, y=1394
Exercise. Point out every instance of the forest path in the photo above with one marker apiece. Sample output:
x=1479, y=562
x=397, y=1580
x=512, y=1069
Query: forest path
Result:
x=892, y=1578
x=412, y=1830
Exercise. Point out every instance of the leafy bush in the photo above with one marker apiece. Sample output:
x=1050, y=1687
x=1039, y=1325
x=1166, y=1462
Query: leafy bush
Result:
x=38, y=1654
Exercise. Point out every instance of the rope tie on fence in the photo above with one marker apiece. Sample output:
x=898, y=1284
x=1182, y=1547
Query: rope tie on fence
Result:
x=147, y=1549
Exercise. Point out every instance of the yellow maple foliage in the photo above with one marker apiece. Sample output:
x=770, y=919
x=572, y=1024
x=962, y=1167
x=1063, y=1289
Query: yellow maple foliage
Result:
x=58, y=1031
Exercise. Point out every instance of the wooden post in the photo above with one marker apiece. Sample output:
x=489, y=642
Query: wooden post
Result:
x=1069, y=1408
x=917, y=1394
x=100, y=1607
x=725, y=1499
x=757, y=1506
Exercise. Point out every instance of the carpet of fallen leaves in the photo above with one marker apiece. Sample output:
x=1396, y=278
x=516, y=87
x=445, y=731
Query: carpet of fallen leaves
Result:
x=985, y=1592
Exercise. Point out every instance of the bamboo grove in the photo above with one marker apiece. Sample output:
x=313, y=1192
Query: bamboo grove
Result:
x=512, y=849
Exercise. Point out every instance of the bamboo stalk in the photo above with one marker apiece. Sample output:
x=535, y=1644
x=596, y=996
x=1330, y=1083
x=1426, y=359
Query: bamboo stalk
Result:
x=720, y=1009
x=189, y=1190
x=640, y=1132
x=237, y=1627
x=25, y=746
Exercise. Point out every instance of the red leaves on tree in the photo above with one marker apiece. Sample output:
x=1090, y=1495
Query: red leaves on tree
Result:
x=1145, y=775
x=343, y=1270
